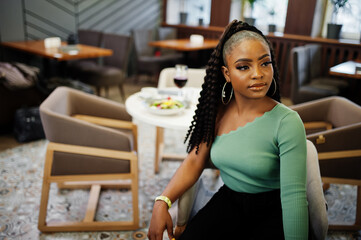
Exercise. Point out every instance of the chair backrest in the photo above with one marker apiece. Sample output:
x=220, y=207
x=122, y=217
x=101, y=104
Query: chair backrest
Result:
x=317, y=204
x=195, y=77
x=300, y=67
x=121, y=46
x=90, y=37
x=336, y=110
x=59, y=126
x=314, y=55
x=166, y=33
x=141, y=39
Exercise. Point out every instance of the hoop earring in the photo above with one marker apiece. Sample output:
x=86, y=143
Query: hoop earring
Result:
x=224, y=94
x=275, y=87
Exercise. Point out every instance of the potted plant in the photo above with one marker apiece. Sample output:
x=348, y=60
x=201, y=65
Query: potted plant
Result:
x=250, y=20
x=272, y=25
x=334, y=29
x=183, y=14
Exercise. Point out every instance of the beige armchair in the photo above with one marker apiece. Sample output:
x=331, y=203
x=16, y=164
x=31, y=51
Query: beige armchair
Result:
x=92, y=144
x=317, y=205
x=333, y=124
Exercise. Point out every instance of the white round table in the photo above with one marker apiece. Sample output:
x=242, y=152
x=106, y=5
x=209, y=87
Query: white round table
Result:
x=138, y=109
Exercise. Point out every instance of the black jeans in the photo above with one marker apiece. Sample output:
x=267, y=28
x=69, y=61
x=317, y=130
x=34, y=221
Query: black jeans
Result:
x=234, y=215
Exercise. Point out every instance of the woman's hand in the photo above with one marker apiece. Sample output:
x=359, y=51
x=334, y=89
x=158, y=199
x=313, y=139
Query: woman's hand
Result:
x=160, y=221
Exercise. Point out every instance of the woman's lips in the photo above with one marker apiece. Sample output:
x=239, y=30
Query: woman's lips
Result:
x=257, y=86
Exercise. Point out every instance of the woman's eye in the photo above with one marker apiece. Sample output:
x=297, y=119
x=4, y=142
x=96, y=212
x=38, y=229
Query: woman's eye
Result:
x=267, y=63
x=242, y=67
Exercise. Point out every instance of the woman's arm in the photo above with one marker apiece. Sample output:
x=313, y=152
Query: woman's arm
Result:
x=186, y=175
x=293, y=154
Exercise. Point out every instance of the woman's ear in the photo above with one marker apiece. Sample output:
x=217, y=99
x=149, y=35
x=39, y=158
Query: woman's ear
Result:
x=226, y=73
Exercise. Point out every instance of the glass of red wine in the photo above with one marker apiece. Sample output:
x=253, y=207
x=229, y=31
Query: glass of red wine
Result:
x=181, y=76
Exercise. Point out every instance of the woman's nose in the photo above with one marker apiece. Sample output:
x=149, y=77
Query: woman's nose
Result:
x=257, y=72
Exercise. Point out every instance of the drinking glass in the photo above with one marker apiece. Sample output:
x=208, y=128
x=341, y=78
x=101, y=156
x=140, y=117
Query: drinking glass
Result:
x=181, y=76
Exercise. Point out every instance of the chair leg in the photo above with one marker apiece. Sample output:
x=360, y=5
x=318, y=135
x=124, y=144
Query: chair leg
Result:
x=98, y=90
x=43, y=205
x=121, y=90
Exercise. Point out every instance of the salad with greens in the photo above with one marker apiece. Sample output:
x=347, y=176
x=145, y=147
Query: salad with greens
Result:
x=167, y=103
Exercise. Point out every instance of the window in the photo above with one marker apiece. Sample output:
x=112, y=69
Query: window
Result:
x=195, y=10
x=349, y=17
x=262, y=13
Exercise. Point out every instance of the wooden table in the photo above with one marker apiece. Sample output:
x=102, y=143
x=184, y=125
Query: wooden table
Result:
x=184, y=45
x=349, y=69
x=37, y=48
x=60, y=55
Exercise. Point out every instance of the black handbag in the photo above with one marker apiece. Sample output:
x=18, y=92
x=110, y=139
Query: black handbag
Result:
x=27, y=125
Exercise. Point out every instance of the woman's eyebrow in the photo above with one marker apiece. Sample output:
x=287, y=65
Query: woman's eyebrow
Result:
x=263, y=56
x=250, y=60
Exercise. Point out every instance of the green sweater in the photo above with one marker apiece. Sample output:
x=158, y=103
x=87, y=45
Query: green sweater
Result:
x=266, y=154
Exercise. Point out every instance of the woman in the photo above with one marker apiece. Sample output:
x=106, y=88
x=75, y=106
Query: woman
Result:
x=257, y=143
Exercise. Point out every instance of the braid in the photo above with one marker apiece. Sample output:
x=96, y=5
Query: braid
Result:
x=202, y=128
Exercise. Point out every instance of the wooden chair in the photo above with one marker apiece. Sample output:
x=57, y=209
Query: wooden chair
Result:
x=196, y=197
x=333, y=124
x=92, y=144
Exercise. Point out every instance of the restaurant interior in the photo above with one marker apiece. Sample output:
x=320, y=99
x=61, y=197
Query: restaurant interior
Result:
x=85, y=147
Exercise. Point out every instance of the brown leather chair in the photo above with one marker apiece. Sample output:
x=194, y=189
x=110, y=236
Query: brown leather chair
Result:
x=87, y=37
x=307, y=82
x=147, y=61
x=114, y=69
x=92, y=144
x=197, y=196
x=333, y=124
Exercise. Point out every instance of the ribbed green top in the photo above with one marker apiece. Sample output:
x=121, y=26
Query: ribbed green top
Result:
x=266, y=154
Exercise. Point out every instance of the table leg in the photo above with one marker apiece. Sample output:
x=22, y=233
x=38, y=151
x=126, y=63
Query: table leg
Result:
x=159, y=147
x=159, y=150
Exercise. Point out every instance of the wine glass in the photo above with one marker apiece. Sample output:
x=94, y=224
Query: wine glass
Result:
x=180, y=77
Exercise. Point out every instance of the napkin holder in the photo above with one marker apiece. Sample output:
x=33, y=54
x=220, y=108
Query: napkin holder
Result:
x=196, y=40
x=52, y=42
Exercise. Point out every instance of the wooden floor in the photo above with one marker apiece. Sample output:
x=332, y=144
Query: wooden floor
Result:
x=8, y=140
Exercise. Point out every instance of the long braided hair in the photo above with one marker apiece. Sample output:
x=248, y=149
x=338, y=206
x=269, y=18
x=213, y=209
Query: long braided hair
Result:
x=202, y=128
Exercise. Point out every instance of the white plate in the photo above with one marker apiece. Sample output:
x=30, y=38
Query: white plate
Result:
x=159, y=111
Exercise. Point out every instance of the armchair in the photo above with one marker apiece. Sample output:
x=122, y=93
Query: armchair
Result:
x=92, y=144
x=333, y=124
x=317, y=205
x=307, y=81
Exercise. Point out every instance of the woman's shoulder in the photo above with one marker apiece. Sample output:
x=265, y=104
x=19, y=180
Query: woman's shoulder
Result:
x=283, y=112
x=281, y=108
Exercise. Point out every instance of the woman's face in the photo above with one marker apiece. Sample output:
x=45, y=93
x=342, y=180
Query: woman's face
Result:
x=249, y=69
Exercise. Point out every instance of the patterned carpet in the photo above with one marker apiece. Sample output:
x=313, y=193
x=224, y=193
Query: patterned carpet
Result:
x=20, y=186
